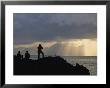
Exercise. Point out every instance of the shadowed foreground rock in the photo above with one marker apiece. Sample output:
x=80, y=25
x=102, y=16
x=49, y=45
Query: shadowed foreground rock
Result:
x=47, y=66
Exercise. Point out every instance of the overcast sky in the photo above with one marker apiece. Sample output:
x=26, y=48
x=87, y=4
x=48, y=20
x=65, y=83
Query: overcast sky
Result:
x=31, y=27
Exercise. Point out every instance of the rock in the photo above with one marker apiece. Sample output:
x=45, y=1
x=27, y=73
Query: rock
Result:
x=47, y=66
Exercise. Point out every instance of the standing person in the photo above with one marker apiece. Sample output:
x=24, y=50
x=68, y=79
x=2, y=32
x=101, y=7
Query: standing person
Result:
x=40, y=51
x=27, y=55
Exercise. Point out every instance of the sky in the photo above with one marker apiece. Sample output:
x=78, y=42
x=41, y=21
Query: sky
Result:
x=57, y=32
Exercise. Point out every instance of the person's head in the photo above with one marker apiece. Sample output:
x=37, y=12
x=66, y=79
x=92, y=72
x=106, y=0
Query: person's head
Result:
x=18, y=51
x=26, y=51
x=39, y=44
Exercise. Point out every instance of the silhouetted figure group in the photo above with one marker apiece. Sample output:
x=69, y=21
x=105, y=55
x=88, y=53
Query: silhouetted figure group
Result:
x=57, y=65
x=27, y=55
x=20, y=56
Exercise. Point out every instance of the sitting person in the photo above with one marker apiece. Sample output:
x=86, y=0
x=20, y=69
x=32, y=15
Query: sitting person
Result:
x=27, y=55
x=19, y=56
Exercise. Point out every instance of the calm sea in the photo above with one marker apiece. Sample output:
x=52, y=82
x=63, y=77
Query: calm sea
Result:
x=90, y=62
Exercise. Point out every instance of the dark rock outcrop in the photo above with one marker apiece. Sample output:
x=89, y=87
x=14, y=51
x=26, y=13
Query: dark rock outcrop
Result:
x=47, y=66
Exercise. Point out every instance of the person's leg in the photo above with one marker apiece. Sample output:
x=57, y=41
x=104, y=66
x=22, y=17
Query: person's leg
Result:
x=38, y=55
x=42, y=54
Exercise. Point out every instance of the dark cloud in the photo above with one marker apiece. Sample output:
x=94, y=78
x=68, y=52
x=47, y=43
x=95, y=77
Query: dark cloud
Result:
x=30, y=27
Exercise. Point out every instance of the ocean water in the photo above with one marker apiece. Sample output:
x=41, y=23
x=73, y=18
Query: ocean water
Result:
x=90, y=62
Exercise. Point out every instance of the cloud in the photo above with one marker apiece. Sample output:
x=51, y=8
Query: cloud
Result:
x=31, y=27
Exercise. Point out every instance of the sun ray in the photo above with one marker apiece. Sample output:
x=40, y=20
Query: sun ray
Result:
x=73, y=47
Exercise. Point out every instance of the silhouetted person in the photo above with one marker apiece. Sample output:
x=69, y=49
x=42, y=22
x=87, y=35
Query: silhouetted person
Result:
x=40, y=51
x=19, y=56
x=27, y=55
